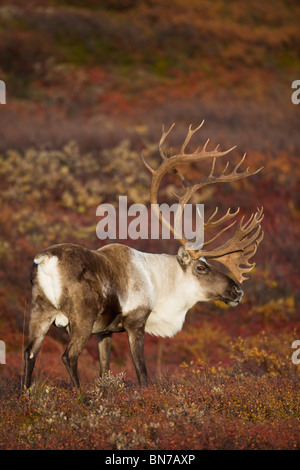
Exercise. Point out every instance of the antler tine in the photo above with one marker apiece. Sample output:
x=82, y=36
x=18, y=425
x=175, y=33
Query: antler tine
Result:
x=190, y=133
x=251, y=224
x=163, y=139
x=146, y=164
x=213, y=224
x=212, y=168
x=218, y=234
x=245, y=259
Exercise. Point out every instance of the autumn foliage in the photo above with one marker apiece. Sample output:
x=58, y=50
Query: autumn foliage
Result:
x=88, y=88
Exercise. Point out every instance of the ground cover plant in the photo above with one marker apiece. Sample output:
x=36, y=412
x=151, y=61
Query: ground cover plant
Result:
x=198, y=408
x=88, y=88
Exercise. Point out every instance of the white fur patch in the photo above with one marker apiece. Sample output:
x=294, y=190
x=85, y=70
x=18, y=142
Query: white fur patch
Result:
x=140, y=290
x=165, y=321
x=177, y=291
x=49, y=277
x=157, y=281
x=61, y=321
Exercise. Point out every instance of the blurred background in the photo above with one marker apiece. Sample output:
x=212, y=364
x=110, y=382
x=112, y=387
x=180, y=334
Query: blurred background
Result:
x=89, y=85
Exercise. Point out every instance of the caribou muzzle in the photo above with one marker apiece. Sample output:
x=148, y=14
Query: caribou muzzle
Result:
x=233, y=294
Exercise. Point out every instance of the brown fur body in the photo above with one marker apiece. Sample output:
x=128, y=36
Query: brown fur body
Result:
x=116, y=289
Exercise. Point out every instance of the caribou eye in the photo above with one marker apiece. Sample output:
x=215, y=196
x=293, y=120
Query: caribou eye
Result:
x=201, y=268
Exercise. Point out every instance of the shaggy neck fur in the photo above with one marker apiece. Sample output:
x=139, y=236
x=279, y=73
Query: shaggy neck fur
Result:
x=173, y=292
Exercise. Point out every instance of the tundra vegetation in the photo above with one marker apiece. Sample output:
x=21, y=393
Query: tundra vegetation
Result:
x=88, y=88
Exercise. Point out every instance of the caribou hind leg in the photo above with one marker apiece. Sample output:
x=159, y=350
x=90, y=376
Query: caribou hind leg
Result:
x=40, y=322
x=79, y=334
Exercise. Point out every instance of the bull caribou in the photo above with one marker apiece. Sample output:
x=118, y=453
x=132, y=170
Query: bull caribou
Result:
x=117, y=288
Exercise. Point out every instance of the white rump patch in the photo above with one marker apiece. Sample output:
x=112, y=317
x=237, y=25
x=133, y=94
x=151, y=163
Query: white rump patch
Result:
x=49, y=277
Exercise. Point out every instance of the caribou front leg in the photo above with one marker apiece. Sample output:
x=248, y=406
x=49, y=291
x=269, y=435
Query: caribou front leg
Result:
x=104, y=348
x=134, y=325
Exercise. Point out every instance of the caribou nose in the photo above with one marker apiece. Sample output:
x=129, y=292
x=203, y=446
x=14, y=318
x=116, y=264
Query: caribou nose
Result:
x=235, y=291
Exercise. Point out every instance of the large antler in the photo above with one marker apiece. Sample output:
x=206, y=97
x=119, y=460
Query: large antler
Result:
x=235, y=253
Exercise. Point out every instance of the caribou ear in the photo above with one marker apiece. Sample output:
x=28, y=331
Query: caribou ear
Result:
x=183, y=257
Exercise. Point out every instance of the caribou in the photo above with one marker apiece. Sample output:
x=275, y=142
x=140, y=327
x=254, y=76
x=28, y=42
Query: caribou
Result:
x=117, y=288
